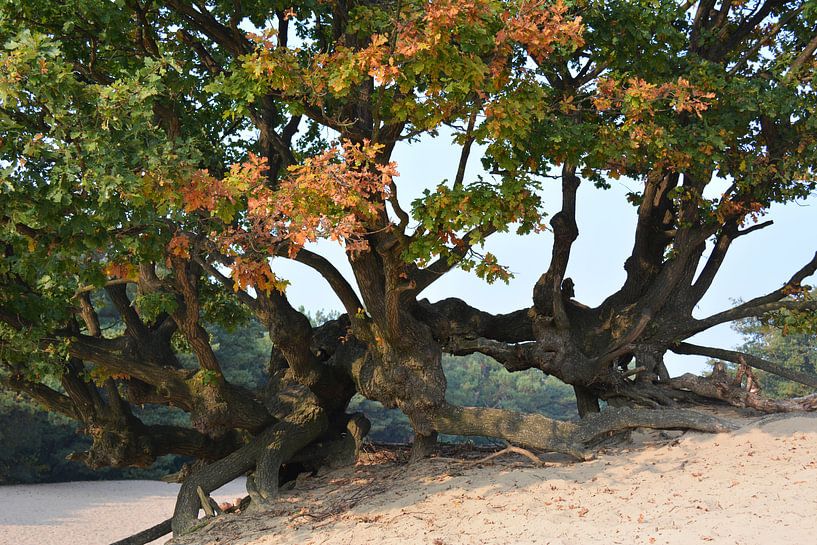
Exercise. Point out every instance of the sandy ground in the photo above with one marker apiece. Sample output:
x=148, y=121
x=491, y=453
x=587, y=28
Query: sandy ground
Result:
x=755, y=486
x=88, y=513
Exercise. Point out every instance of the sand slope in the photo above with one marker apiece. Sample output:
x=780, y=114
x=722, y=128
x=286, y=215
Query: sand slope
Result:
x=756, y=486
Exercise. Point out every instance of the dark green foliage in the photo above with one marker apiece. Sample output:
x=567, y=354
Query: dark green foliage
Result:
x=35, y=443
x=477, y=380
x=243, y=353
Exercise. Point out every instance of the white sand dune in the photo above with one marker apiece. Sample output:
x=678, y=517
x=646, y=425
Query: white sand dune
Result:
x=755, y=486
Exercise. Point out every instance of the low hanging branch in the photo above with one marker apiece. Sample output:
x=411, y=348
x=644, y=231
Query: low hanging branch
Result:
x=725, y=388
x=146, y=536
x=752, y=361
x=571, y=438
x=765, y=303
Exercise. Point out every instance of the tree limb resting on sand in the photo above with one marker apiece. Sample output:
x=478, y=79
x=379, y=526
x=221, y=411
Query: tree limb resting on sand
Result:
x=146, y=536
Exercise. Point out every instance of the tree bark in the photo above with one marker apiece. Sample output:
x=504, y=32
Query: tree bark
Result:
x=721, y=386
x=571, y=438
x=304, y=422
x=146, y=536
x=586, y=401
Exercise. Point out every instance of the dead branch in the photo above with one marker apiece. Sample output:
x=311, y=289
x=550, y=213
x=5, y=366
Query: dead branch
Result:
x=510, y=449
x=146, y=536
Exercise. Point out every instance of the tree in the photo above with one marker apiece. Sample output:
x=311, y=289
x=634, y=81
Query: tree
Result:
x=181, y=147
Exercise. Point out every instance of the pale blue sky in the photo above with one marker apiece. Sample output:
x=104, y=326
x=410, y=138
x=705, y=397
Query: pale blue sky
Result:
x=755, y=265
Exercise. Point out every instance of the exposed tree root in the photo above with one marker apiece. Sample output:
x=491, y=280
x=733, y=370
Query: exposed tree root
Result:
x=625, y=418
x=530, y=430
x=422, y=446
x=571, y=438
x=809, y=379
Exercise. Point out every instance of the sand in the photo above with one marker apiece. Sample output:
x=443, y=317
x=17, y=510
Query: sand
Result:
x=754, y=486
x=88, y=513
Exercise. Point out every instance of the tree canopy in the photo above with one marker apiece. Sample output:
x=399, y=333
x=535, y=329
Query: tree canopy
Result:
x=169, y=153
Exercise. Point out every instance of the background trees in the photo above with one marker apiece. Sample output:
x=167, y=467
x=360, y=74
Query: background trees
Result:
x=795, y=351
x=786, y=338
x=166, y=154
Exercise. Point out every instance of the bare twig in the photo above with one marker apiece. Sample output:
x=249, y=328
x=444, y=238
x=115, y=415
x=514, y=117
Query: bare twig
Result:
x=510, y=449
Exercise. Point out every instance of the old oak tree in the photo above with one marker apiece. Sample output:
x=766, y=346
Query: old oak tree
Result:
x=161, y=156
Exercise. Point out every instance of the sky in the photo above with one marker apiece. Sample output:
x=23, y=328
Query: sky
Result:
x=756, y=264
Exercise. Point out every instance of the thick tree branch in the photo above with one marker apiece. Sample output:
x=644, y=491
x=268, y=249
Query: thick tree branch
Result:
x=290, y=331
x=586, y=74
x=49, y=398
x=700, y=22
x=656, y=216
x=189, y=442
x=742, y=358
x=89, y=315
x=108, y=354
x=147, y=37
x=187, y=316
x=752, y=51
x=765, y=303
x=547, y=294
x=83, y=393
x=205, y=22
x=658, y=292
x=342, y=288
x=304, y=422
x=111, y=282
x=402, y=215
x=207, y=60
x=276, y=147
x=514, y=357
x=713, y=264
x=454, y=317
x=146, y=536
x=804, y=56
x=134, y=325
x=731, y=36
